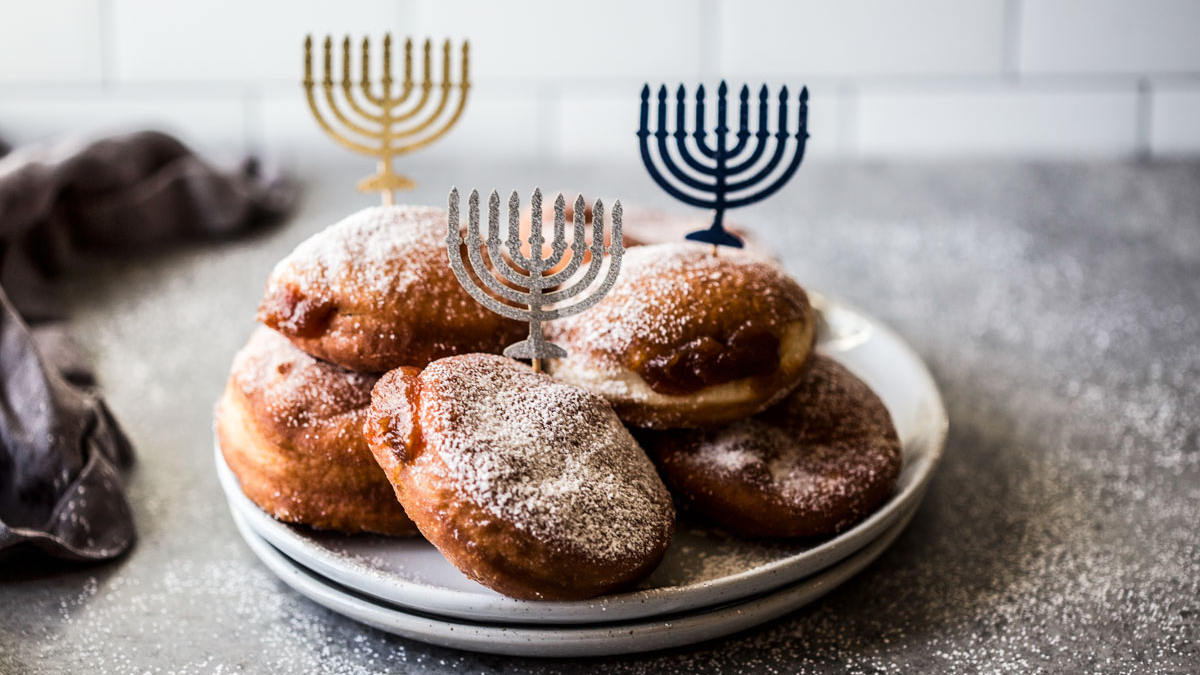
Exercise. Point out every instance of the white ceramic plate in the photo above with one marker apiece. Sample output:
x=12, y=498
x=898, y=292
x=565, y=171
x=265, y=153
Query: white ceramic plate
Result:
x=703, y=567
x=568, y=640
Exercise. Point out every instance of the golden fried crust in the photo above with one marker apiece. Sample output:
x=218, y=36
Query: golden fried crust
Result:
x=290, y=429
x=375, y=292
x=689, y=339
x=815, y=464
x=529, y=486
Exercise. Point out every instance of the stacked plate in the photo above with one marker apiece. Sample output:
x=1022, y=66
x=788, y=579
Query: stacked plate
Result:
x=709, y=584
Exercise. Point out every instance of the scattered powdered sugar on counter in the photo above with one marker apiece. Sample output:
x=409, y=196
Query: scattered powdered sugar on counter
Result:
x=256, y=601
x=1059, y=535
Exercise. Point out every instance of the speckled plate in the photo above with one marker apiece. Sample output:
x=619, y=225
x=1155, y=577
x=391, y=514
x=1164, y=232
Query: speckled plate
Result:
x=703, y=567
x=564, y=640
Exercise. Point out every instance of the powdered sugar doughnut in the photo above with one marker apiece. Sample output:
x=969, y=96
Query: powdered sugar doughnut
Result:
x=687, y=338
x=815, y=464
x=530, y=486
x=375, y=292
x=290, y=429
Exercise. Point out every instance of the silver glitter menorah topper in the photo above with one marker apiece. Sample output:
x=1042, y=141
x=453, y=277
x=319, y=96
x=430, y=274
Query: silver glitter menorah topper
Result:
x=531, y=282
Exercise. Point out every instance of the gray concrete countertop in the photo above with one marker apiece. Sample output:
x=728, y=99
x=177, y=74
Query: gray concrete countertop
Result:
x=1058, y=306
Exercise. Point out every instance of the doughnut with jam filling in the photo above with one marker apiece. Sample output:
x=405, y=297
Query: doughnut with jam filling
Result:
x=375, y=292
x=687, y=338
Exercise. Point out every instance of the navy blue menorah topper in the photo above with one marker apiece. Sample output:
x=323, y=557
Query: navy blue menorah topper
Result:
x=722, y=177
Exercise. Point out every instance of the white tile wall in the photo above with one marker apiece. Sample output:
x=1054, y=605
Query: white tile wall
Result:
x=55, y=41
x=1110, y=36
x=559, y=41
x=1175, y=121
x=588, y=123
x=205, y=120
x=997, y=120
x=860, y=37
x=234, y=41
x=559, y=80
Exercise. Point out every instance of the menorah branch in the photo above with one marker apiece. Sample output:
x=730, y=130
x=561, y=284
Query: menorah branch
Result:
x=530, y=301
x=726, y=174
x=371, y=125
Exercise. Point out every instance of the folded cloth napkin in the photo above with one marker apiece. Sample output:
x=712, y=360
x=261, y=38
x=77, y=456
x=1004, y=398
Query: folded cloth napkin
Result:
x=60, y=448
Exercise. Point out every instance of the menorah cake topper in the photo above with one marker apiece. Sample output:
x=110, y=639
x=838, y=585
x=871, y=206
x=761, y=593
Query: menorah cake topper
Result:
x=722, y=177
x=386, y=123
x=539, y=292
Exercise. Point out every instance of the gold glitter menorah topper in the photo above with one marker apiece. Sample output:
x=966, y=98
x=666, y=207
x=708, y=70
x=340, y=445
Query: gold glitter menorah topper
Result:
x=386, y=121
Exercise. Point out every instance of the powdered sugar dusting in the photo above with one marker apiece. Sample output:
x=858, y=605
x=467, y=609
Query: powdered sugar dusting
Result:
x=668, y=293
x=701, y=553
x=550, y=458
x=295, y=388
x=819, y=451
x=1059, y=535
x=811, y=476
x=376, y=291
x=374, y=254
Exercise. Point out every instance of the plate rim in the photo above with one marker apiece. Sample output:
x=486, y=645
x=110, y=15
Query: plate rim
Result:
x=628, y=605
x=572, y=640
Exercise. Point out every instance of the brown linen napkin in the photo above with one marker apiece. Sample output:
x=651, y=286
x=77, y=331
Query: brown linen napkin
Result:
x=60, y=448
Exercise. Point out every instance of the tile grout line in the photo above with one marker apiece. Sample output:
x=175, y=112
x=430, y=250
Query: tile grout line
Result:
x=847, y=133
x=1010, y=59
x=168, y=89
x=254, y=140
x=710, y=40
x=107, y=43
x=1143, y=120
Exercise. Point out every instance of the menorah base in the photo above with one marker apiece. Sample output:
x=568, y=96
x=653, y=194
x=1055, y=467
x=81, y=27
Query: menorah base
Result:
x=716, y=236
x=529, y=349
x=385, y=182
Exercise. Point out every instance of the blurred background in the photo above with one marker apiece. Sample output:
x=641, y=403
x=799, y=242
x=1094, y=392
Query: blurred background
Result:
x=1013, y=185
x=558, y=81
